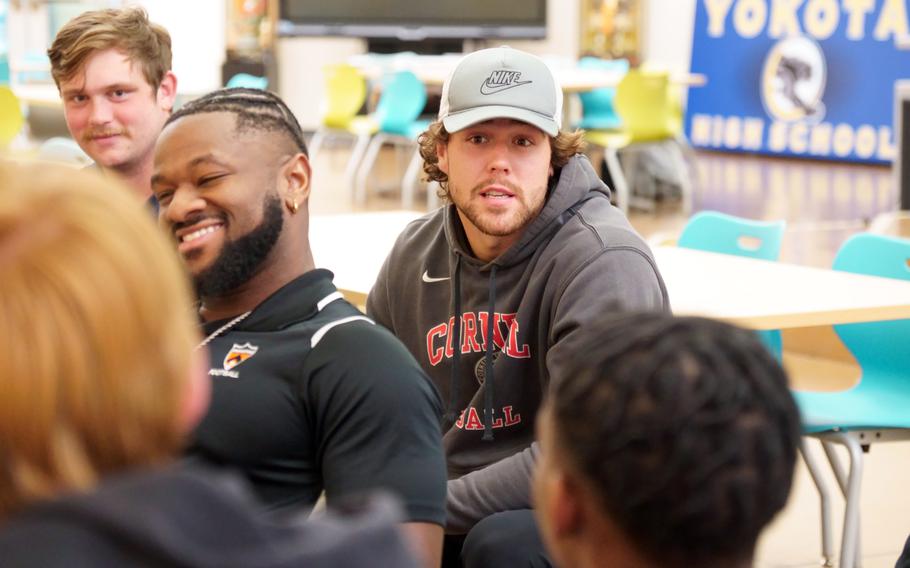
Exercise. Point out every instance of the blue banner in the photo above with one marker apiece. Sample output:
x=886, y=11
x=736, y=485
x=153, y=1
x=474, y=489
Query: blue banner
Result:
x=808, y=78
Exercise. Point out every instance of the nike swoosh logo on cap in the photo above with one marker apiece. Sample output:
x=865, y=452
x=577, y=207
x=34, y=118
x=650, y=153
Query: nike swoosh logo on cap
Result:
x=429, y=279
x=487, y=89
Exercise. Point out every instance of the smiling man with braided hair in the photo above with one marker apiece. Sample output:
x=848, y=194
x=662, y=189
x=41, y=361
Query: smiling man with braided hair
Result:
x=307, y=393
x=671, y=443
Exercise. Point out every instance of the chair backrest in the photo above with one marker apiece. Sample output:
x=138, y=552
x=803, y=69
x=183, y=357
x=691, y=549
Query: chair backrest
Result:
x=598, y=110
x=882, y=346
x=643, y=101
x=64, y=151
x=727, y=234
x=401, y=102
x=248, y=81
x=11, y=118
x=718, y=232
x=345, y=92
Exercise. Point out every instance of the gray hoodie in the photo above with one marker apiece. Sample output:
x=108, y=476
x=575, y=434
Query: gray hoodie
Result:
x=578, y=259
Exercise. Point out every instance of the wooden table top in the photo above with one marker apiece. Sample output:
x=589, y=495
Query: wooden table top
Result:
x=751, y=293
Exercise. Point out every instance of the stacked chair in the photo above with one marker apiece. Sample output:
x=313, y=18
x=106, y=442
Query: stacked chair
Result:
x=877, y=409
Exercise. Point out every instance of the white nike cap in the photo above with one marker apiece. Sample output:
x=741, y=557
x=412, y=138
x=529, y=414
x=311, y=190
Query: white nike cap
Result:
x=501, y=83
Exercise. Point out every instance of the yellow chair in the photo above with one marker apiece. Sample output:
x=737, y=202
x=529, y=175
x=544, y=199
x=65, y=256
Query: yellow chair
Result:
x=11, y=118
x=650, y=112
x=345, y=91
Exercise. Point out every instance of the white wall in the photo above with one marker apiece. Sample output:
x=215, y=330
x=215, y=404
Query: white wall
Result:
x=668, y=27
x=563, y=39
x=197, y=31
x=300, y=79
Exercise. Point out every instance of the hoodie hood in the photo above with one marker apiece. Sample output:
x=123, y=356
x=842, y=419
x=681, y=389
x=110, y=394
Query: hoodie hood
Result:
x=573, y=183
x=184, y=518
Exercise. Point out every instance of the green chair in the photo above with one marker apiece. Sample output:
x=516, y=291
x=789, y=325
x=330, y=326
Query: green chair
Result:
x=649, y=112
x=11, y=117
x=344, y=92
x=877, y=409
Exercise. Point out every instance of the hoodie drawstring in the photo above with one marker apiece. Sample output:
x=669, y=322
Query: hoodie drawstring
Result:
x=488, y=363
x=455, y=378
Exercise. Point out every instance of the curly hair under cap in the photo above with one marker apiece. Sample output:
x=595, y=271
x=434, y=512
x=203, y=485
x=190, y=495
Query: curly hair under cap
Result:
x=686, y=430
x=563, y=146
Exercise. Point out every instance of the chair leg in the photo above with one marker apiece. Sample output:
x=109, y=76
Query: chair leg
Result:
x=843, y=481
x=849, y=551
x=315, y=144
x=411, y=180
x=363, y=172
x=825, y=500
x=350, y=171
x=611, y=159
x=688, y=165
x=687, y=170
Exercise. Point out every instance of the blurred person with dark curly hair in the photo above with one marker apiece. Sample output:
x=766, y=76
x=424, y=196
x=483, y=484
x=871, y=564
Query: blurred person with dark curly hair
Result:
x=670, y=443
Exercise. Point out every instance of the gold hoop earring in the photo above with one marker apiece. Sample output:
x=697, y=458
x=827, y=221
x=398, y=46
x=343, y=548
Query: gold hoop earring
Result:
x=293, y=206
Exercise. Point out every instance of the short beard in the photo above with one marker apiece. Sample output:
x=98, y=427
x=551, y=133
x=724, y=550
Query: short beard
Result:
x=240, y=259
x=522, y=219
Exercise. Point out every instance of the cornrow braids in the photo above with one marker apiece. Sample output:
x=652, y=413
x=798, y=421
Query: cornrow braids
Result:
x=686, y=429
x=255, y=109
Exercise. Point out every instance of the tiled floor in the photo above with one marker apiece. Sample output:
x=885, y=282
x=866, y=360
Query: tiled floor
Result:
x=823, y=204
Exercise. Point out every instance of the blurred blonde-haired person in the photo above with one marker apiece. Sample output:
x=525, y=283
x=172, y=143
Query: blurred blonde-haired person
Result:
x=101, y=384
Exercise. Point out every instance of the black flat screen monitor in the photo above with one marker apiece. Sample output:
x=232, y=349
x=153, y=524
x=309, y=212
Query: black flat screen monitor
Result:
x=410, y=20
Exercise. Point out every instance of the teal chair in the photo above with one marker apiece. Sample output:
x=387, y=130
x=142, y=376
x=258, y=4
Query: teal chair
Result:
x=597, y=108
x=877, y=409
x=727, y=234
x=248, y=81
x=718, y=232
x=396, y=117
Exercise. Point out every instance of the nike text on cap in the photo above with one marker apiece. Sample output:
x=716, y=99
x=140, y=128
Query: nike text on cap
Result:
x=501, y=83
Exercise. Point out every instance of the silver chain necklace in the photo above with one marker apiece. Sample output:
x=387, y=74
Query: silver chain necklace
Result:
x=223, y=328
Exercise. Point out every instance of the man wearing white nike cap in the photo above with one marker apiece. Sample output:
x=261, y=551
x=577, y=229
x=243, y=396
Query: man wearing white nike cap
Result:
x=497, y=287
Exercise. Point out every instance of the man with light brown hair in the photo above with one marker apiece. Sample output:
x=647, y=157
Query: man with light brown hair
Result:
x=491, y=293
x=113, y=71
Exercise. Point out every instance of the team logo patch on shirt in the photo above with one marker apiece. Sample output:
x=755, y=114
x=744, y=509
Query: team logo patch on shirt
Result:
x=238, y=354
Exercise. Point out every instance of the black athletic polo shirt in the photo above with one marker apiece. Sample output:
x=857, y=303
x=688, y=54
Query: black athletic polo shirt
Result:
x=308, y=394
